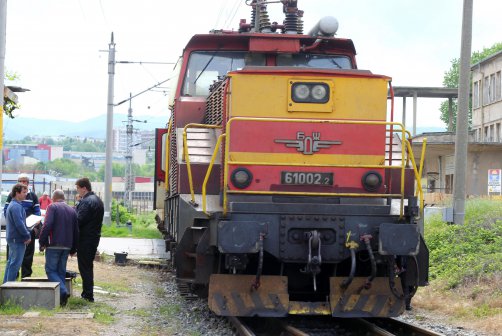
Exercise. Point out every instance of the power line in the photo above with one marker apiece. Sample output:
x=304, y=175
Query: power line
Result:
x=142, y=62
x=234, y=10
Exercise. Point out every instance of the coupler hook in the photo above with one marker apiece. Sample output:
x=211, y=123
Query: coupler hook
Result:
x=314, y=262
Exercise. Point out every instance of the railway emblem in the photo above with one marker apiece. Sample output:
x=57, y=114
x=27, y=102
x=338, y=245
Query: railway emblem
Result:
x=307, y=144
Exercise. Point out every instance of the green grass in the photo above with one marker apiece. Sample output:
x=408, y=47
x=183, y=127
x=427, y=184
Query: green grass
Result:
x=170, y=310
x=115, y=287
x=469, y=252
x=139, y=312
x=10, y=308
x=143, y=226
x=103, y=313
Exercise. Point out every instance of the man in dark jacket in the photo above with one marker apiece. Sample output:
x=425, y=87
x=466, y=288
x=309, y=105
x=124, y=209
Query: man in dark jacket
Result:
x=31, y=207
x=90, y=211
x=59, y=237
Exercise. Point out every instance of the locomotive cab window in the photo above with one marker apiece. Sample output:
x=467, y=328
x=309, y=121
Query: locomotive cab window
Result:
x=204, y=67
x=314, y=61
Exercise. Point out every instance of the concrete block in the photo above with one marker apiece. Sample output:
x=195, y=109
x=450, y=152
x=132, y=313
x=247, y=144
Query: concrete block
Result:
x=68, y=282
x=31, y=293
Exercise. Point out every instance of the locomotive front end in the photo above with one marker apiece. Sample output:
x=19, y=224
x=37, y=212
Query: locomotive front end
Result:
x=283, y=184
x=310, y=199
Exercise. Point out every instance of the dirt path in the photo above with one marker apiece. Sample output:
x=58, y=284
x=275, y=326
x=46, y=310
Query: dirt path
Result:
x=131, y=301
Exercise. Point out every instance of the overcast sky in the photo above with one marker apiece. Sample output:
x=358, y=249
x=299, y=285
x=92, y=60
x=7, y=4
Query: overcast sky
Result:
x=57, y=47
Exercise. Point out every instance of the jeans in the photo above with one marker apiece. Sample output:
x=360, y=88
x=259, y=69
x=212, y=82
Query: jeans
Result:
x=55, y=267
x=14, y=261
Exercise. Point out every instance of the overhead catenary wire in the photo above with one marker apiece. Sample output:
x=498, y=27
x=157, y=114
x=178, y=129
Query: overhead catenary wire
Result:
x=233, y=12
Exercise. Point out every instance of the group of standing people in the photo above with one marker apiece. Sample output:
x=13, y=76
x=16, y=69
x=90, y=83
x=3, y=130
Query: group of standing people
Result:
x=65, y=231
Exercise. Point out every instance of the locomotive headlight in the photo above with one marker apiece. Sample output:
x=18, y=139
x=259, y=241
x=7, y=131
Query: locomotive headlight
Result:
x=241, y=178
x=372, y=181
x=317, y=93
x=301, y=92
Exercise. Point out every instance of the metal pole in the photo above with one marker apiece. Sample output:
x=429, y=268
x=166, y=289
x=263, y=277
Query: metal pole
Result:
x=3, y=33
x=129, y=179
x=462, y=117
x=404, y=112
x=415, y=113
x=109, y=135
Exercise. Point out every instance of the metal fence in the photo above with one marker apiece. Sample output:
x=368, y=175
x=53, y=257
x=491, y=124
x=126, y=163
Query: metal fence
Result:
x=142, y=201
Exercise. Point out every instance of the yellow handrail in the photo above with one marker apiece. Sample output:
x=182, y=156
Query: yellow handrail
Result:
x=186, y=155
x=417, y=175
x=208, y=173
x=227, y=161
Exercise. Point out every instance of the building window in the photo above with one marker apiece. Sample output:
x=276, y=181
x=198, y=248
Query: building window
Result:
x=485, y=138
x=492, y=133
x=486, y=91
x=475, y=94
x=492, y=88
x=497, y=133
x=498, y=86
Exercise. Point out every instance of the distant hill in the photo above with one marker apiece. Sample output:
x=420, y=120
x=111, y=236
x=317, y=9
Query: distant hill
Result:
x=18, y=128
x=427, y=129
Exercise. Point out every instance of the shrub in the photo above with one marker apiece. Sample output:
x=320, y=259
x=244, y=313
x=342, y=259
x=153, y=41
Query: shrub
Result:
x=461, y=253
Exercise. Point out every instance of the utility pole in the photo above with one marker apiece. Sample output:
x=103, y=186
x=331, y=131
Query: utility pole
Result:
x=3, y=33
x=462, y=116
x=129, y=177
x=109, y=134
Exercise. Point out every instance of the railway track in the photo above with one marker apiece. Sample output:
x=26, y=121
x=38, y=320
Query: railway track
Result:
x=322, y=326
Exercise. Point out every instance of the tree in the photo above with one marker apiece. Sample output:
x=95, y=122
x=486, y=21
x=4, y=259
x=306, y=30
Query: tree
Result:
x=451, y=78
x=63, y=167
x=118, y=169
x=8, y=105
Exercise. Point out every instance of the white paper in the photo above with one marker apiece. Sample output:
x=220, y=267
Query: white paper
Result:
x=33, y=220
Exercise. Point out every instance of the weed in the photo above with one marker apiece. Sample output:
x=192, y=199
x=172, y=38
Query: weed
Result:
x=103, y=313
x=115, y=287
x=37, y=328
x=160, y=291
x=11, y=308
x=139, y=312
x=170, y=310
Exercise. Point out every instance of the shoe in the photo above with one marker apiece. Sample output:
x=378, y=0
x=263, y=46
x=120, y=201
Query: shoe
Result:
x=64, y=299
x=90, y=299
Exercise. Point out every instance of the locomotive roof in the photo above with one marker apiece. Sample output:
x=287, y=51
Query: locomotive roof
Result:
x=267, y=42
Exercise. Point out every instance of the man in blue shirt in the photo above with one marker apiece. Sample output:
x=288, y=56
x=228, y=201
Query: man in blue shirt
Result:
x=31, y=207
x=17, y=234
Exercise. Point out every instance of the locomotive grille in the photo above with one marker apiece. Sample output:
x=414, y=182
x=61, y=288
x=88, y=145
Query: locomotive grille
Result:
x=173, y=166
x=214, y=103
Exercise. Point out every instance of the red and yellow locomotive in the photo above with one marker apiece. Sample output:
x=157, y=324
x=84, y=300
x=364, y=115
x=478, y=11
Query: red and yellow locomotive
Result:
x=278, y=187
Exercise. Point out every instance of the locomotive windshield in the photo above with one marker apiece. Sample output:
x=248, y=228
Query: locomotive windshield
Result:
x=204, y=67
x=314, y=61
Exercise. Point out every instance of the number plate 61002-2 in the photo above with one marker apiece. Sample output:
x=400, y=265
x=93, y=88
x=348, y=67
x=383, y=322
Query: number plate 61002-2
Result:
x=306, y=178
